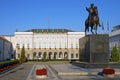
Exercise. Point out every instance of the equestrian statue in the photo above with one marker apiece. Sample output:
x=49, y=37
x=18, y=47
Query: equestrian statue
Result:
x=93, y=19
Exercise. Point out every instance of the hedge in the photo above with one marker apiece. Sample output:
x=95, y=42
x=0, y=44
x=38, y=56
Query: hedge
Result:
x=7, y=63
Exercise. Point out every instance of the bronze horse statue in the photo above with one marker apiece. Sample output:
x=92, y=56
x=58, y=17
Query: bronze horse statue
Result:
x=92, y=20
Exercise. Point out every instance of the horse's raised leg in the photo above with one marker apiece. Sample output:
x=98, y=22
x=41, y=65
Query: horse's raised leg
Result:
x=88, y=28
x=85, y=31
x=95, y=29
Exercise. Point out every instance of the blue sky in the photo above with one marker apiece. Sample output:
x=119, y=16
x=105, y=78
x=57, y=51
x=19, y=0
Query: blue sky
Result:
x=69, y=14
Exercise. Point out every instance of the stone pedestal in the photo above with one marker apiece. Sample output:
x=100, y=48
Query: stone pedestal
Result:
x=94, y=48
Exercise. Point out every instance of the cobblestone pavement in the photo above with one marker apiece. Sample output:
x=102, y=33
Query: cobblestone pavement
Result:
x=19, y=73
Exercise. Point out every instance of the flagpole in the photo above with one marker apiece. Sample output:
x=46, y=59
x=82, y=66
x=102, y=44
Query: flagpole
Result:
x=108, y=27
x=48, y=23
x=102, y=27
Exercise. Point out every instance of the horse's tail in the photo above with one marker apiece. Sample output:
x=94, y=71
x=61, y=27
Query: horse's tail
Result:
x=97, y=21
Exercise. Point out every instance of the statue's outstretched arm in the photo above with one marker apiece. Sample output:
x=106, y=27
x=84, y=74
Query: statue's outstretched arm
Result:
x=86, y=8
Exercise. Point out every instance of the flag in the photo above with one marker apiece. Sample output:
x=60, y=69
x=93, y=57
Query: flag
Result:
x=47, y=18
x=102, y=26
x=107, y=26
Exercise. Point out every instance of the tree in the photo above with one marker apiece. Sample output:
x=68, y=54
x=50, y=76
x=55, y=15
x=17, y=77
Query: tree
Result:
x=115, y=54
x=23, y=58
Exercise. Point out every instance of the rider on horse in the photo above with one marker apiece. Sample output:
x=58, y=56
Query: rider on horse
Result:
x=91, y=13
x=93, y=18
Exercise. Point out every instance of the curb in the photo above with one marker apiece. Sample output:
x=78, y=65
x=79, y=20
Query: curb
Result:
x=80, y=73
x=77, y=73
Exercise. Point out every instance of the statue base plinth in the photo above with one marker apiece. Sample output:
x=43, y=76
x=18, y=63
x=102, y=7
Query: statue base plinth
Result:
x=94, y=48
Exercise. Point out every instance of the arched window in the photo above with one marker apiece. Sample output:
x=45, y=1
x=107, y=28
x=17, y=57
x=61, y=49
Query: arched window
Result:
x=65, y=55
x=45, y=55
x=34, y=55
x=60, y=55
x=76, y=55
x=39, y=54
x=55, y=55
x=50, y=55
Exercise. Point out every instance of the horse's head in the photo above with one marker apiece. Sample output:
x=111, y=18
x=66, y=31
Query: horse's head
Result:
x=96, y=11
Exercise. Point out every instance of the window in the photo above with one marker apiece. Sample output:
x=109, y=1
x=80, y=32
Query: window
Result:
x=28, y=55
x=76, y=46
x=39, y=54
x=34, y=55
x=60, y=45
x=76, y=55
x=60, y=55
x=72, y=56
x=72, y=46
x=65, y=55
x=55, y=55
x=65, y=46
x=18, y=55
x=18, y=46
x=34, y=45
x=28, y=45
x=39, y=46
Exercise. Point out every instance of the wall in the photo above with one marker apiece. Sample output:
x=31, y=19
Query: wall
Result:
x=6, y=49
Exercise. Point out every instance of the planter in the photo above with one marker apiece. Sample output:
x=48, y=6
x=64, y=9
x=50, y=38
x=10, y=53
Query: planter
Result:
x=1, y=69
x=108, y=72
x=41, y=73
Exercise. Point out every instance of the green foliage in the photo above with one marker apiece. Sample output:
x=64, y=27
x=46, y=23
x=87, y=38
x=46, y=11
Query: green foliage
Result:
x=7, y=63
x=115, y=54
x=23, y=58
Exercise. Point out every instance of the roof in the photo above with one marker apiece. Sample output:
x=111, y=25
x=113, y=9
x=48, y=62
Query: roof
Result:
x=3, y=38
x=115, y=28
x=49, y=30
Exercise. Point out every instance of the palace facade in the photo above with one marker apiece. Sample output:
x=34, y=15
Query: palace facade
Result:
x=114, y=38
x=54, y=43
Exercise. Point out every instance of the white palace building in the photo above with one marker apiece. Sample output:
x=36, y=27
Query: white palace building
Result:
x=54, y=43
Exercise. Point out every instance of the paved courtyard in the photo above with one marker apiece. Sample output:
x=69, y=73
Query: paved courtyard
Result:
x=55, y=72
x=71, y=72
x=19, y=73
